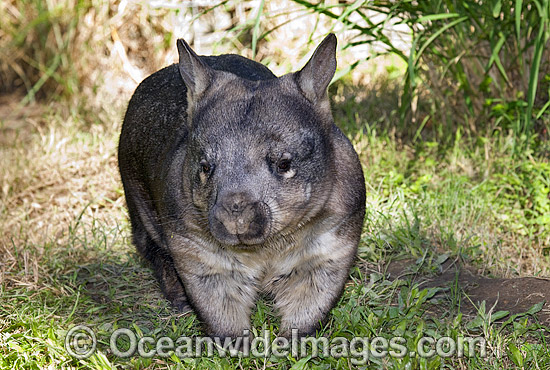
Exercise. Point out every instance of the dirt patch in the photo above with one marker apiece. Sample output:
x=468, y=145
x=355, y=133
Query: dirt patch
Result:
x=515, y=295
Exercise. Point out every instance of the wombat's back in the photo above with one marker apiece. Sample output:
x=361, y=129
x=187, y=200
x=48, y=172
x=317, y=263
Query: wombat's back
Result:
x=241, y=66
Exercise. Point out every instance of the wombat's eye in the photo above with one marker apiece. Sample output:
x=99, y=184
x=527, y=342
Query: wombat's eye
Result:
x=205, y=166
x=283, y=165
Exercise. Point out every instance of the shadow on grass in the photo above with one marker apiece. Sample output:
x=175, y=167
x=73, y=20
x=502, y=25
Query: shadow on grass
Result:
x=360, y=107
x=126, y=293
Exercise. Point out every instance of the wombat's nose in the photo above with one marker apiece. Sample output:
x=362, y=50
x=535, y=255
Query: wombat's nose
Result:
x=238, y=218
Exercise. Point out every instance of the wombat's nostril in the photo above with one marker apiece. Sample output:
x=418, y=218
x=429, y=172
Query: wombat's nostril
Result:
x=235, y=203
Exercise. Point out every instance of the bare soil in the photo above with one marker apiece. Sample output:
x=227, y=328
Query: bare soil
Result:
x=516, y=295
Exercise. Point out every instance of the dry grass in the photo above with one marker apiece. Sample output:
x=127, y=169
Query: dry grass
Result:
x=53, y=172
x=72, y=48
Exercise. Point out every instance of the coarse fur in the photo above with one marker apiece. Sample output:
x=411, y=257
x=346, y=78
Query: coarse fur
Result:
x=238, y=182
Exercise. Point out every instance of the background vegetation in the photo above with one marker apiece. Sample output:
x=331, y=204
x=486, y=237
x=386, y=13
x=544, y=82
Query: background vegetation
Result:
x=447, y=103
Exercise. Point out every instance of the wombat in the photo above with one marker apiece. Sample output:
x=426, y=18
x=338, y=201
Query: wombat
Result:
x=239, y=183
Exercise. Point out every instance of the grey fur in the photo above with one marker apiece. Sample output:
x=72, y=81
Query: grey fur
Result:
x=238, y=183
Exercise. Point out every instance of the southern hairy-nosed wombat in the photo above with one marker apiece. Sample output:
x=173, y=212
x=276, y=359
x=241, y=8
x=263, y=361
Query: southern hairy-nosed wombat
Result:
x=238, y=182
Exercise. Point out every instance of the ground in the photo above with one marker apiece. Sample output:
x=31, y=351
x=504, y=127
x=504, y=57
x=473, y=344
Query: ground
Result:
x=514, y=295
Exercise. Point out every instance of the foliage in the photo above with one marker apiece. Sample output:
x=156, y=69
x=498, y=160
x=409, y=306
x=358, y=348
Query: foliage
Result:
x=468, y=60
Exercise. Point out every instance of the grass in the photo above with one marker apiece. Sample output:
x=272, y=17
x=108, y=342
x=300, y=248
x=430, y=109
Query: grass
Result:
x=474, y=196
x=435, y=194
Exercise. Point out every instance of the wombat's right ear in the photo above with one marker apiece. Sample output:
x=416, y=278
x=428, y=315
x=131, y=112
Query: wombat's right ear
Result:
x=195, y=73
x=315, y=77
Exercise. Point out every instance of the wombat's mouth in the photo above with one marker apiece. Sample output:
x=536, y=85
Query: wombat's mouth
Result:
x=244, y=225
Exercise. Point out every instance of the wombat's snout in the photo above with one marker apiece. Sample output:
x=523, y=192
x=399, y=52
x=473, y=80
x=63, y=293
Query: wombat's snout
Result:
x=237, y=218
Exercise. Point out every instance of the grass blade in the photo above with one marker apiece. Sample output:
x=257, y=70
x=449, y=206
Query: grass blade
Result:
x=541, y=39
x=256, y=31
x=436, y=17
x=495, y=58
x=496, y=9
x=436, y=35
x=517, y=14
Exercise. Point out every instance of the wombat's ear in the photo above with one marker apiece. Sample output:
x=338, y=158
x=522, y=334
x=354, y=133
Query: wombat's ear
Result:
x=195, y=73
x=314, y=78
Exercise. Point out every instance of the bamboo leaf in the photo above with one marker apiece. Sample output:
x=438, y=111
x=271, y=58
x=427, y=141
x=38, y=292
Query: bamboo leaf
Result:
x=534, y=74
x=495, y=58
x=437, y=34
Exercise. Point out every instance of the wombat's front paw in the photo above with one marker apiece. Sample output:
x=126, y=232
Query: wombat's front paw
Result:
x=173, y=291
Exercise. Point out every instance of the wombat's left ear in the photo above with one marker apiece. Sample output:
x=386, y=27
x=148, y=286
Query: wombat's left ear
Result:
x=195, y=73
x=314, y=78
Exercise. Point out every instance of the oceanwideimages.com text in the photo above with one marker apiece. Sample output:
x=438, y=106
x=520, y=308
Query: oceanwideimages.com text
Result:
x=81, y=342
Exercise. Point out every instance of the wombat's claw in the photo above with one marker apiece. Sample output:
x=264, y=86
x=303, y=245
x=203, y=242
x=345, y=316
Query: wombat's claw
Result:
x=182, y=306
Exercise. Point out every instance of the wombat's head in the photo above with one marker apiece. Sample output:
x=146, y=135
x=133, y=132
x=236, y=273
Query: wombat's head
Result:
x=260, y=155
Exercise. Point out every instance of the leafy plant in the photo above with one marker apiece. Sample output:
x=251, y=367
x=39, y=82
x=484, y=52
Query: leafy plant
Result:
x=465, y=58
